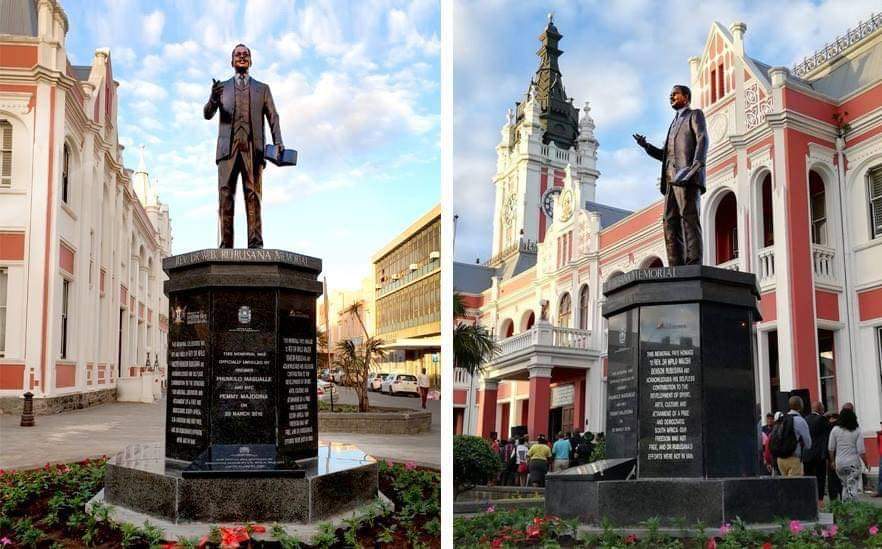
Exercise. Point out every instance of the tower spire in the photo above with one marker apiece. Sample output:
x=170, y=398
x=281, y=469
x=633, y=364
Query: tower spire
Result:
x=559, y=117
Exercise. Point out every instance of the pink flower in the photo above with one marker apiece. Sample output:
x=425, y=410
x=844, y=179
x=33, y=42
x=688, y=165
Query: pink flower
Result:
x=4, y=541
x=711, y=544
x=490, y=509
x=833, y=529
x=725, y=529
x=410, y=466
x=795, y=527
x=874, y=529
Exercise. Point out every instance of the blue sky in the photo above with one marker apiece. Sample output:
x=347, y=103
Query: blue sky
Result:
x=358, y=92
x=622, y=57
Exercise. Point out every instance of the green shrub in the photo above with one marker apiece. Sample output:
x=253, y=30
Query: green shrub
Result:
x=474, y=462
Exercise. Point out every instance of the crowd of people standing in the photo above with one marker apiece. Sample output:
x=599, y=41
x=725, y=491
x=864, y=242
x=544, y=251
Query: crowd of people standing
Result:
x=826, y=445
x=526, y=463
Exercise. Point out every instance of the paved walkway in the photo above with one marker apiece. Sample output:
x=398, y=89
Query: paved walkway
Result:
x=107, y=429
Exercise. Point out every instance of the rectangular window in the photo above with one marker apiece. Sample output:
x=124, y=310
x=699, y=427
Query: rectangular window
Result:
x=5, y=154
x=4, y=280
x=65, y=172
x=713, y=82
x=874, y=191
x=819, y=219
x=827, y=369
x=721, y=81
x=65, y=302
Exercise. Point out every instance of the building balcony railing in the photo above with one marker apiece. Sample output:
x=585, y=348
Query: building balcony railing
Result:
x=823, y=264
x=545, y=335
x=765, y=266
x=461, y=378
x=431, y=266
x=732, y=265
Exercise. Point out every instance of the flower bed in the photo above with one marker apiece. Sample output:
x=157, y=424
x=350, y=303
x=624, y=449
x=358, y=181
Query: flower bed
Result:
x=855, y=524
x=45, y=508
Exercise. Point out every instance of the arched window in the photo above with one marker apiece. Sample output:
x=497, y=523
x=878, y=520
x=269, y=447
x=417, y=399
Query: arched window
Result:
x=726, y=224
x=583, y=307
x=527, y=321
x=565, y=311
x=65, y=175
x=5, y=153
x=817, y=199
x=874, y=190
x=507, y=329
x=768, y=215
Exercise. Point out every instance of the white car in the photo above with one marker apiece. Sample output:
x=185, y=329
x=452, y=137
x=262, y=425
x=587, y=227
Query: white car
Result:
x=324, y=390
x=375, y=380
x=400, y=383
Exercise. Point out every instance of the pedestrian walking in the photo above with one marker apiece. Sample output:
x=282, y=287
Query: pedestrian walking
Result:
x=790, y=439
x=815, y=458
x=834, y=485
x=423, y=386
x=847, y=453
x=562, y=451
x=521, y=462
x=538, y=456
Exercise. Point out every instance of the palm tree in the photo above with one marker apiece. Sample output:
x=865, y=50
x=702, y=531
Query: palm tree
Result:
x=356, y=368
x=473, y=347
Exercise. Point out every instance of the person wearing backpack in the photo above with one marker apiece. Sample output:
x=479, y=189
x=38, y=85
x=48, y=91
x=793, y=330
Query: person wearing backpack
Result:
x=790, y=439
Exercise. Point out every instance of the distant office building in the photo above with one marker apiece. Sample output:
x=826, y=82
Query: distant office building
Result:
x=82, y=311
x=407, y=277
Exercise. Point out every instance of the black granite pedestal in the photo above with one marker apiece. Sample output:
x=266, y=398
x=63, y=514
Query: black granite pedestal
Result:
x=242, y=362
x=241, y=438
x=338, y=479
x=681, y=400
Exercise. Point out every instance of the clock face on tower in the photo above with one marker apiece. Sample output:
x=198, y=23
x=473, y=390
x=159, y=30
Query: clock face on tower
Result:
x=548, y=201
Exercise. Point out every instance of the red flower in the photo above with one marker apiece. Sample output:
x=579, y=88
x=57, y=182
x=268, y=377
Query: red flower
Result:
x=533, y=532
x=170, y=545
x=767, y=545
x=631, y=538
x=711, y=543
x=257, y=528
x=230, y=537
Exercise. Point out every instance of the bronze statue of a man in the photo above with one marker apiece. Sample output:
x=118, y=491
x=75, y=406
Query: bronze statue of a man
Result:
x=682, y=178
x=243, y=103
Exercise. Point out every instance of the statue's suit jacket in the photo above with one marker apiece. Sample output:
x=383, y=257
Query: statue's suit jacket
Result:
x=261, y=105
x=689, y=146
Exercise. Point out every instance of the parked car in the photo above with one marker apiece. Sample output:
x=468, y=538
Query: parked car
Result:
x=400, y=383
x=375, y=380
x=337, y=376
x=324, y=389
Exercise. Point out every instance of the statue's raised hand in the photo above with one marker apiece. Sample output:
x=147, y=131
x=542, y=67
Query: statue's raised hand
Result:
x=640, y=139
x=217, y=89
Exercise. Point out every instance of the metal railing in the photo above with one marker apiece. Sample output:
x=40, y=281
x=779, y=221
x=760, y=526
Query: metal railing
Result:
x=839, y=45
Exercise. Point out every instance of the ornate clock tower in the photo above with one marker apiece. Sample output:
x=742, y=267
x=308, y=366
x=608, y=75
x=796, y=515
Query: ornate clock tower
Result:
x=543, y=134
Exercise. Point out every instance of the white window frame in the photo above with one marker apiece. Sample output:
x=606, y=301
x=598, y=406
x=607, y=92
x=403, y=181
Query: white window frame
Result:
x=6, y=150
x=65, y=317
x=4, y=304
x=874, y=201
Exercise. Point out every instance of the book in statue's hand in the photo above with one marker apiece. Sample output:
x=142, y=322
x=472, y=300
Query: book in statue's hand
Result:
x=287, y=158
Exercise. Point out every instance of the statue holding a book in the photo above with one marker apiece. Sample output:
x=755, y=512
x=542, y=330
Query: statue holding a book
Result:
x=243, y=103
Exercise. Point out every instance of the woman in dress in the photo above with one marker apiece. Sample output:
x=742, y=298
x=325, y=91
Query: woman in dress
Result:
x=847, y=454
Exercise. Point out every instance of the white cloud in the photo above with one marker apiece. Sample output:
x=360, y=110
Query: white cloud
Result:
x=288, y=46
x=152, y=26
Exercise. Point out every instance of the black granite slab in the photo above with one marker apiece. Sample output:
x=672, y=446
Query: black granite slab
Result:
x=242, y=461
x=681, y=372
x=676, y=501
x=340, y=478
x=242, y=361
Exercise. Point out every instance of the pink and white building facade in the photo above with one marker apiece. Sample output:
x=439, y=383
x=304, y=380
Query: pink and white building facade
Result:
x=83, y=318
x=794, y=195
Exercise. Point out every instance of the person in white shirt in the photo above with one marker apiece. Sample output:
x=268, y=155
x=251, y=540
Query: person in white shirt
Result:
x=423, y=385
